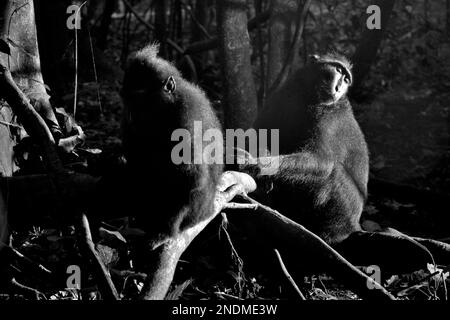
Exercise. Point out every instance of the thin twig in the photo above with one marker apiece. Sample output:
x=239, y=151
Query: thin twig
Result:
x=77, y=20
x=197, y=23
x=10, y=124
x=170, y=42
x=109, y=291
x=234, y=254
x=28, y=290
x=288, y=276
x=27, y=261
x=151, y=27
x=95, y=71
x=240, y=206
x=226, y=295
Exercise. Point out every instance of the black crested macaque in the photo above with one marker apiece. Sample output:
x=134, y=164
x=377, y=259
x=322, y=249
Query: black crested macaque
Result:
x=319, y=178
x=168, y=196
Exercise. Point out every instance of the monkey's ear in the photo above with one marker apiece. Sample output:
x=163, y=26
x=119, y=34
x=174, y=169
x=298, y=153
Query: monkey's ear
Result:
x=314, y=58
x=170, y=85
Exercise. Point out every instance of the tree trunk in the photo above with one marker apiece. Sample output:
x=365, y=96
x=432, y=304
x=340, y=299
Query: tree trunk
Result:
x=3, y=221
x=18, y=31
x=240, y=93
x=447, y=3
x=201, y=15
x=294, y=46
x=103, y=31
x=54, y=40
x=161, y=25
x=370, y=41
x=280, y=36
x=260, y=51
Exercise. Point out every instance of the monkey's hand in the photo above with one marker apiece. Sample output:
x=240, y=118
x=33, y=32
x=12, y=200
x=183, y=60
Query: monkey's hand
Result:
x=258, y=168
x=251, y=169
x=242, y=161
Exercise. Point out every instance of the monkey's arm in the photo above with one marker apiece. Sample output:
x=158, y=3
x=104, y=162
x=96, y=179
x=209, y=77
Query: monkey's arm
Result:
x=302, y=166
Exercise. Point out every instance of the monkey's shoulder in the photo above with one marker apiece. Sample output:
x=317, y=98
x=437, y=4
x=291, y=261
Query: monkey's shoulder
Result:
x=194, y=104
x=338, y=126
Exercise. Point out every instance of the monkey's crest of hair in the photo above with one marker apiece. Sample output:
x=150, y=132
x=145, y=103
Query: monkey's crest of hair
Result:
x=336, y=56
x=149, y=56
x=151, y=51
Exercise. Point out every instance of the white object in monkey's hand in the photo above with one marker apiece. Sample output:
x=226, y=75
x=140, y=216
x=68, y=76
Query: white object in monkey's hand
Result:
x=230, y=178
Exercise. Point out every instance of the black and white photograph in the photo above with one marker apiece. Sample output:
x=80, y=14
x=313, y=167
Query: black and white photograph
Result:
x=230, y=157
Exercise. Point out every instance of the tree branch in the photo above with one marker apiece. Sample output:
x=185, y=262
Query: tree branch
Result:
x=291, y=238
x=167, y=255
x=30, y=119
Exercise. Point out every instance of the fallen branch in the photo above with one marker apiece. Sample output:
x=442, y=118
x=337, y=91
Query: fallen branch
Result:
x=292, y=238
x=281, y=232
x=168, y=254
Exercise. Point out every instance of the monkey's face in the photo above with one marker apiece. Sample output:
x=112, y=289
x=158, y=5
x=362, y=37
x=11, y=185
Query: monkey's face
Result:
x=330, y=77
x=149, y=93
x=144, y=82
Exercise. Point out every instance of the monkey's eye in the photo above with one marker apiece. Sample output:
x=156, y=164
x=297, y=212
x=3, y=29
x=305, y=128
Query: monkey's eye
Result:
x=347, y=80
x=340, y=70
x=170, y=85
x=314, y=57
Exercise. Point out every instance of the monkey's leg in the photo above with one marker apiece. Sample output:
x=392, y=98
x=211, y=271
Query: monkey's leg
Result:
x=393, y=253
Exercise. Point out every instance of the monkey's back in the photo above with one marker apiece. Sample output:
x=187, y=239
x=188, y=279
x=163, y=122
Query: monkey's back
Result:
x=166, y=196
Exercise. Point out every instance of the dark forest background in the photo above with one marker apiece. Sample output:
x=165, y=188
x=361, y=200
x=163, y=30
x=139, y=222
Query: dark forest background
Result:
x=401, y=102
x=401, y=99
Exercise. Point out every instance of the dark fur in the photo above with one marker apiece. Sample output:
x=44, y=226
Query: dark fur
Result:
x=169, y=198
x=323, y=173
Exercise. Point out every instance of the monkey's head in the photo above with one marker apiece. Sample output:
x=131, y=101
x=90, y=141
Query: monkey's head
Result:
x=327, y=78
x=149, y=78
x=149, y=90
